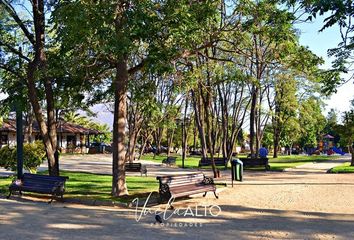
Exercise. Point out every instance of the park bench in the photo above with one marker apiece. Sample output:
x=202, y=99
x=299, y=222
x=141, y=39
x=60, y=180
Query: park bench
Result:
x=175, y=186
x=255, y=162
x=44, y=184
x=169, y=161
x=218, y=162
x=136, y=167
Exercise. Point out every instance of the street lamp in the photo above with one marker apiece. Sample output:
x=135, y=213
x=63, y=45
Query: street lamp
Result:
x=19, y=129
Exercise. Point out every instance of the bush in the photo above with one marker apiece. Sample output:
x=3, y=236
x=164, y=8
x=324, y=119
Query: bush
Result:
x=33, y=155
x=7, y=157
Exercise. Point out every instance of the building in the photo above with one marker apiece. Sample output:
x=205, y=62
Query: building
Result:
x=71, y=137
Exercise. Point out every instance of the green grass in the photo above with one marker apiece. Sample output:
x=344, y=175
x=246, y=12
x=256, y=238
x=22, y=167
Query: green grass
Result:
x=4, y=184
x=97, y=187
x=344, y=168
x=276, y=164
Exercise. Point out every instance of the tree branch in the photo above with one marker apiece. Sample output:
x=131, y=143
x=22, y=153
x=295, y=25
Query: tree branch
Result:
x=17, y=19
x=14, y=50
x=6, y=68
x=185, y=53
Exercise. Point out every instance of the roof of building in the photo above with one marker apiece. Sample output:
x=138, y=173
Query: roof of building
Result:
x=9, y=125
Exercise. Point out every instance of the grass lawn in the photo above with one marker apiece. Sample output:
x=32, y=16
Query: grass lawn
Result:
x=345, y=168
x=276, y=164
x=97, y=187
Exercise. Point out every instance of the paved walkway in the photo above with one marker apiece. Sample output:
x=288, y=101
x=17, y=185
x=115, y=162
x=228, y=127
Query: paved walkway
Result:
x=320, y=166
x=102, y=164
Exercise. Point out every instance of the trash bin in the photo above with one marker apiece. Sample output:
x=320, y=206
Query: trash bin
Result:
x=236, y=170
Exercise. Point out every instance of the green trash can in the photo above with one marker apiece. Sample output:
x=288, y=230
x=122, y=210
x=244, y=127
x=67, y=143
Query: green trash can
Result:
x=236, y=170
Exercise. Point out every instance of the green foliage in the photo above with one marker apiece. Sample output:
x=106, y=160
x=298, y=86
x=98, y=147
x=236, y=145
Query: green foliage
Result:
x=33, y=155
x=346, y=129
x=268, y=137
x=8, y=157
x=311, y=121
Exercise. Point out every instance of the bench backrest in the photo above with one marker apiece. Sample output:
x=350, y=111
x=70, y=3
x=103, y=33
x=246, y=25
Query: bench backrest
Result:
x=170, y=160
x=180, y=180
x=132, y=165
x=43, y=180
x=218, y=161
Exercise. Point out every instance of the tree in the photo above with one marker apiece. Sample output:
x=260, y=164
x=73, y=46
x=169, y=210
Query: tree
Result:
x=269, y=39
x=346, y=130
x=130, y=38
x=33, y=31
x=286, y=105
x=336, y=13
x=311, y=121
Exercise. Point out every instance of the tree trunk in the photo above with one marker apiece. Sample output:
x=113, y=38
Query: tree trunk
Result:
x=351, y=149
x=144, y=144
x=119, y=186
x=39, y=63
x=29, y=130
x=253, y=118
x=276, y=142
x=158, y=138
x=133, y=135
x=199, y=122
x=208, y=127
x=32, y=94
x=170, y=141
x=184, y=132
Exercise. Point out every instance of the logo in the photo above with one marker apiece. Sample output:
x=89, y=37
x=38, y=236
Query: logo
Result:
x=163, y=214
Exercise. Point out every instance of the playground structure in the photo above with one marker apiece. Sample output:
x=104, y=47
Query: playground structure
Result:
x=327, y=145
x=337, y=150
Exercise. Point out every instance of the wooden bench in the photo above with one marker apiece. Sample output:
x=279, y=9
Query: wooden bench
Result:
x=218, y=162
x=255, y=162
x=44, y=184
x=175, y=186
x=169, y=161
x=136, y=167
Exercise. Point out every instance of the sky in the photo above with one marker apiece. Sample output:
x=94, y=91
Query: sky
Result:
x=319, y=43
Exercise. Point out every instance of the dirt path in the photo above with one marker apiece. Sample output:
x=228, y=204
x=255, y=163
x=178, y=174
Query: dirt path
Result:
x=301, y=204
x=320, y=166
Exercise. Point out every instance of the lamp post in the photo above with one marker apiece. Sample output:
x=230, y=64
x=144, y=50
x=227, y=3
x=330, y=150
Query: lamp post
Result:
x=19, y=140
x=19, y=129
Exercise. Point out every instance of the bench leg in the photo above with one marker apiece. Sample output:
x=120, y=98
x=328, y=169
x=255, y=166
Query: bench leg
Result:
x=171, y=207
x=9, y=195
x=51, y=200
x=217, y=197
x=204, y=194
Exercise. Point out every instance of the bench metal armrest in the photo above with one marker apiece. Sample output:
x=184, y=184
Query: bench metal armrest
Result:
x=208, y=180
x=58, y=187
x=143, y=169
x=164, y=192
